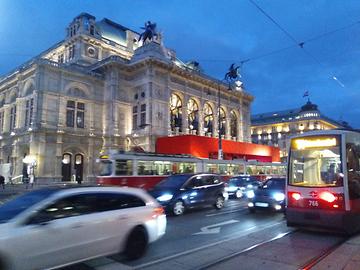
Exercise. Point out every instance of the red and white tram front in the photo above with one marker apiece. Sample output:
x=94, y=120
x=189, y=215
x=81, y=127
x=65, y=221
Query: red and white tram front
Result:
x=320, y=189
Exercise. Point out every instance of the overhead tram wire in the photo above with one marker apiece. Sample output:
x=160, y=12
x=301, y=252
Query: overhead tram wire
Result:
x=301, y=44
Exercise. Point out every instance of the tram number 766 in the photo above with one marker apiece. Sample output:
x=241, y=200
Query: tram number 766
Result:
x=313, y=203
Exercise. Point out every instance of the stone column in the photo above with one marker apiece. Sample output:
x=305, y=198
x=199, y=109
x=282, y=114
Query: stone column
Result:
x=227, y=128
x=185, y=123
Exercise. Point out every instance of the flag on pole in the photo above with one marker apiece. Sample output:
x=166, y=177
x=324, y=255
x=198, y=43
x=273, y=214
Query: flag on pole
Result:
x=306, y=94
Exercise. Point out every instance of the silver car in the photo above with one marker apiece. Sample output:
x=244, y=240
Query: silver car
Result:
x=58, y=226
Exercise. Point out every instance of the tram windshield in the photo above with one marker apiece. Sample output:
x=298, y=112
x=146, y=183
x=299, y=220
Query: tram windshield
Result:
x=105, y=167
x=315, y=162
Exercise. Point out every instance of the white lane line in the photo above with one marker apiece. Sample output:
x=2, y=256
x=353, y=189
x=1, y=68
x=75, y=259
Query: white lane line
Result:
x=244, y=232
x=226, y=212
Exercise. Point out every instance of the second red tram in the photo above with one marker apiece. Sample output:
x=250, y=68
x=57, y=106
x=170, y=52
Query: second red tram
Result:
x=323, y=181
x=147, y=169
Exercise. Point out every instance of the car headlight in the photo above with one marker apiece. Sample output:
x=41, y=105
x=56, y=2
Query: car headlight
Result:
x=165, y=197
x=249, y=186
x=250, y=194
x=278, y=196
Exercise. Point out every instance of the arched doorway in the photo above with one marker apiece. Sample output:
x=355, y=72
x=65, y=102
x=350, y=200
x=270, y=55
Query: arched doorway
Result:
x=66, y=167
x=79, y=166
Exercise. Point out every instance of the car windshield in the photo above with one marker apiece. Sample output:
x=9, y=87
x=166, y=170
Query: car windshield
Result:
x=275, y=183
x=19, y=204
x=174, y=181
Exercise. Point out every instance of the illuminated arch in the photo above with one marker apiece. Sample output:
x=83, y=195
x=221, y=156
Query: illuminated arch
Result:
x=175, y=112
x=193, y=115
x=208, y=118
x=233, y=124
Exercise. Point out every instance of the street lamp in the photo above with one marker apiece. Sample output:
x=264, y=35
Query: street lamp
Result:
x=231, y=76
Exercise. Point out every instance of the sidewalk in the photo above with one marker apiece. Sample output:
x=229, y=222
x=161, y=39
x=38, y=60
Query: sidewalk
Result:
x=346, y=257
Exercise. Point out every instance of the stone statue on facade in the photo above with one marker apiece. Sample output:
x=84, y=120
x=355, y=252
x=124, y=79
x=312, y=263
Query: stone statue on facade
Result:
x=149, y=32
x=232, y=74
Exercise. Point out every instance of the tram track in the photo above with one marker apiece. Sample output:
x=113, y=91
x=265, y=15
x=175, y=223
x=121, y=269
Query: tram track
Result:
x=243, y=251
x=309, y=264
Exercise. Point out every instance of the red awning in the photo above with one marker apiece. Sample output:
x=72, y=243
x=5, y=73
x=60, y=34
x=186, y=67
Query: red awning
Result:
x=207, y=147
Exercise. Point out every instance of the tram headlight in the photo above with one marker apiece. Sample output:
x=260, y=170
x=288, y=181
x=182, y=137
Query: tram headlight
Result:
x=278, y=196
x=165, y=197
x=250, y=194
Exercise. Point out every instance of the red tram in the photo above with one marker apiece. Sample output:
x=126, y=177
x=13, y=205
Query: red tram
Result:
x=147, y=169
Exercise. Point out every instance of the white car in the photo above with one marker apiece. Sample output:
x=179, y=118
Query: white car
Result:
x=57, y=226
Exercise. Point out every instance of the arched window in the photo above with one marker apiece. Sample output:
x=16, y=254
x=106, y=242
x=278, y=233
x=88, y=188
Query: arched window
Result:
x=208, y=118
x=222, y=121
x=193, y=116
x=175, y=112
x=233, y=124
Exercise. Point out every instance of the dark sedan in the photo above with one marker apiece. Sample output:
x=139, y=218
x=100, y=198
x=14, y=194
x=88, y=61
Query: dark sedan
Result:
x=271, y=195
x=238, y=185
x=177, y=193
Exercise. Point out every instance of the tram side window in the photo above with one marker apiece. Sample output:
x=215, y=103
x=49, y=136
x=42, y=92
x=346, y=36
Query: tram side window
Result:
x=353, y=169
x=123, y=167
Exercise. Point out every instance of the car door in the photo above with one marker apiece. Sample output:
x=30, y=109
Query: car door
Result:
x=196, y=191
x=117, y=214
x=57, y=233
x=212, y=188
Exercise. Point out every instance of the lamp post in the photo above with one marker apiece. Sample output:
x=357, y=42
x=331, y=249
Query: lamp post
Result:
x=220, y=150
x=230, y=77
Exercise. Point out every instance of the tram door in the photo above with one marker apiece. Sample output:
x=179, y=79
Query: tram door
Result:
x=66, y=167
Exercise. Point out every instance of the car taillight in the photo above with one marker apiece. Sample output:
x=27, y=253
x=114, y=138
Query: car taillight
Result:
x=158, y=211
x=327, y=196
x=295, y=195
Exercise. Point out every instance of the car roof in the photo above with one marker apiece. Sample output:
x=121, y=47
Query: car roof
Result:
x=76, y=188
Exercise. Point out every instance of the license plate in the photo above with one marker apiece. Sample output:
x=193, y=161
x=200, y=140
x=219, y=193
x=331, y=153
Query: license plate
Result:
x=261, y=204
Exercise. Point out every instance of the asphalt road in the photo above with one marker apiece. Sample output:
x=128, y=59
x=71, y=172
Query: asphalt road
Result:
x=198, y=229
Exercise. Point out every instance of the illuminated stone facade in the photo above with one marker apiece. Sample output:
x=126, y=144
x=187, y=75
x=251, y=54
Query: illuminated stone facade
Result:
x=275, y=128
x=100, y=88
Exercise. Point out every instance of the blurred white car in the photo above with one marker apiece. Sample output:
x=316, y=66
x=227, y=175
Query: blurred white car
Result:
x=58, y=226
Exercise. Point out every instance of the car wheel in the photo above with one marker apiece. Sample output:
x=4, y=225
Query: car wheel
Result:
x=238, y=194
x=219, y=203
x=178, y=208
x=136, y=243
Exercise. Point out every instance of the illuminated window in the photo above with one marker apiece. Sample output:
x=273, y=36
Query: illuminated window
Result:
x=175, y=112
x=134, y=117
x=75, y=109
x=222, y=121
x=208, y=118
x=29, y=112
x=233, y=124
x=12, y=118
x=193, y=115
x=143, y=115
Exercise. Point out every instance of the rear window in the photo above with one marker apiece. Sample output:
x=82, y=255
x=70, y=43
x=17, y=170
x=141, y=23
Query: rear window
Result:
x=21, y=203
x=275, y=183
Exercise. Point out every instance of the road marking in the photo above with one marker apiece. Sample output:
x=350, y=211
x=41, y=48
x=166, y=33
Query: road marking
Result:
x=244, y=232
x=226, y=212
x=208, y=230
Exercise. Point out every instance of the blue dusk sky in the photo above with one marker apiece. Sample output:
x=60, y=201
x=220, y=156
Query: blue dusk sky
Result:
x=284, y=47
